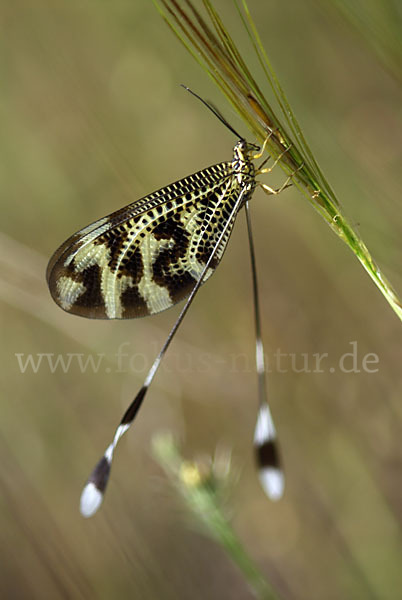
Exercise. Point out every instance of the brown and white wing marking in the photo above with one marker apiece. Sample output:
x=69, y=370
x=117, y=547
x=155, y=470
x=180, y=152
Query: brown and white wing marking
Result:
x=145, y=257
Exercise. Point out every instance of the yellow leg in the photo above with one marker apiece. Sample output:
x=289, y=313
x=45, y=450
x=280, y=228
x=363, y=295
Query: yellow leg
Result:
x=275, y=162
x=261, y=152
x=268, y=190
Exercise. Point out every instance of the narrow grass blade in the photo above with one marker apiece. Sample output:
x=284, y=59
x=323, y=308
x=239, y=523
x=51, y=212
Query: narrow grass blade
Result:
x=209, y=41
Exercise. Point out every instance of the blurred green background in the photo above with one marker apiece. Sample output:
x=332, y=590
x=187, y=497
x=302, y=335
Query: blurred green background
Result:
x=93, y=118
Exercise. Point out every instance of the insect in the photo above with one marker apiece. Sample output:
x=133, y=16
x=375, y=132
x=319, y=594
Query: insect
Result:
x=153, y=253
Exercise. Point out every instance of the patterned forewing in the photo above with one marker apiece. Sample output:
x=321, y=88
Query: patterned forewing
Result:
x=146, y=257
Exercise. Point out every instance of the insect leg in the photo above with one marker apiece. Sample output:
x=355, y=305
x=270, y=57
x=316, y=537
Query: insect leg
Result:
x=278, y=158
x=271, y=191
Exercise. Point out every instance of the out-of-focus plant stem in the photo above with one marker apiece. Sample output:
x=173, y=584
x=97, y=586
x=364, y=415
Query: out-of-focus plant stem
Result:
x=200, y=490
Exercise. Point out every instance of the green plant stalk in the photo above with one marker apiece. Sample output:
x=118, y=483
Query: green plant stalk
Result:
x=214, y=49
x=201, y=496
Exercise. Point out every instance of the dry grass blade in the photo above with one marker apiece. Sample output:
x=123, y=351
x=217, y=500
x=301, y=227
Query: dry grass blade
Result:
x=213, y=47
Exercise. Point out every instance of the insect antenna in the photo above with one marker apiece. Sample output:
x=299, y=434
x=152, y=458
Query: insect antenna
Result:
x=270, y=472
x=93, y=492
x=215, y=111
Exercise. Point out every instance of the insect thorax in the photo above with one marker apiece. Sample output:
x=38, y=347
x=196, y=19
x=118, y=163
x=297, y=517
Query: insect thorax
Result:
x=243, y=167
